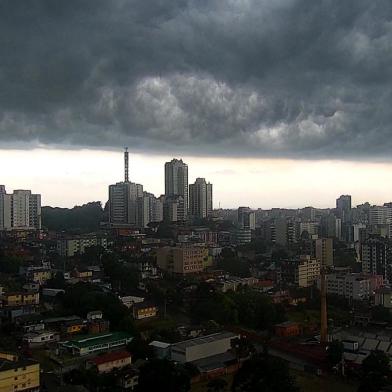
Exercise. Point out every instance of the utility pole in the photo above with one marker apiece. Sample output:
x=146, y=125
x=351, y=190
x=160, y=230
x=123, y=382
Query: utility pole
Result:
x=323, y=320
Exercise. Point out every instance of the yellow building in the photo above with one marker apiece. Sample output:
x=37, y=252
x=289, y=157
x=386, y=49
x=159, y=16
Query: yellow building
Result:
x=41, y=276
x=144, y=310
x=83, y=274
x=183, y=260
x=307, y=271
x=20, y=298
x=20, y=375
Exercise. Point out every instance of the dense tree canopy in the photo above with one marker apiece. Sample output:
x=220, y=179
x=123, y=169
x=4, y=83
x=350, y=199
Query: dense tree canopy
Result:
x=245, y=307
x=375, y=372
x=164, y=375
x=263, y=373
x=83, y=218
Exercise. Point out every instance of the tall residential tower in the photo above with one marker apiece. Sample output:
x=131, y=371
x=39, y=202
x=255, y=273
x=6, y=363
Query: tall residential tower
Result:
x=200, y=198
x=176, y=183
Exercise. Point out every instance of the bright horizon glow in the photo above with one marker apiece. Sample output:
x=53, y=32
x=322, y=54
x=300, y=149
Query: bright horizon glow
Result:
x=73, y=177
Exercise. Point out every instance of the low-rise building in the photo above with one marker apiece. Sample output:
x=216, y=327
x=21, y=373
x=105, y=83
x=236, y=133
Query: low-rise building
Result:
x=182, y=259
x=351, y=286
x=39, y=338
x=234, y=283
x=127, y=378
x=143, y=310
x=108, y=362
x=94, y=315
x=287, y=328
x=130, y=300
x=19, y=375
x=96, y=343
x=202, y=347
x=383, y=297
x=73, y=245
x=38, y=275
x=19, y=298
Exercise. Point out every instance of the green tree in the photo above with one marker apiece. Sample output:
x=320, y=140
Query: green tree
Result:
x=375, y=372
x=217, y=385
x=10, y=264
x=264, y=373
x=163, y=375
x=335, y=353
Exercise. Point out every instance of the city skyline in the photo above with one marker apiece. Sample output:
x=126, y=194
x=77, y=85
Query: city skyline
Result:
x=82, y=176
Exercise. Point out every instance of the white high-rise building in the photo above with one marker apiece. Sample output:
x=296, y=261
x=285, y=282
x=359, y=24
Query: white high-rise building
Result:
x=149, y=209
x=200, y=198
x=176, y=181
x=20, y=210
x=5, y=209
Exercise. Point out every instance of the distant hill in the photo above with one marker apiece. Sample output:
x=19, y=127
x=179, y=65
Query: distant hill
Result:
x=83, y=218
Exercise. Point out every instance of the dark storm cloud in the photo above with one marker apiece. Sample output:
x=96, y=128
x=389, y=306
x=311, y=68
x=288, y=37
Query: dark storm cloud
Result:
x=236, y=77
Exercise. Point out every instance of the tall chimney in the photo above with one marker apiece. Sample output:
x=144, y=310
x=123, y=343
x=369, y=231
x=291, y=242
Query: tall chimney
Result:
x=323, y=321
x=126, y=164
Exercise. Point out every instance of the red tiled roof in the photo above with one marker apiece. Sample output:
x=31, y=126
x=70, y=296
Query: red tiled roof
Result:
x=110, y=357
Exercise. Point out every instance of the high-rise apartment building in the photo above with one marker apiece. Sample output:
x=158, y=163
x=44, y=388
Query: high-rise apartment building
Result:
x=173, y=209
x=246, y=218
x=377, y=257
x=343, y=207
x=176, y=181
x=307, y=271
x=20, y=210
x=200, y=198
x=123, y=198
x=380, y=215
x=5, y=209
x=149, y=209
x=324, y=251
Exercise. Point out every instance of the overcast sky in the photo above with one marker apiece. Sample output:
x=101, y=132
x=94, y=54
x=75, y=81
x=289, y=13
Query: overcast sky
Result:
x=258, y=93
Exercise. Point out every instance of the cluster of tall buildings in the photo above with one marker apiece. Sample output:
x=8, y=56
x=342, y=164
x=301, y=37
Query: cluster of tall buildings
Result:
x=19, y=210
x=130, y=205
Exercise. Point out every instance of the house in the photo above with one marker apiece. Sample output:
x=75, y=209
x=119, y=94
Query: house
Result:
x=73, y=327
x=38, y=275
x=288, y=328
x=108, y=362
x=19, y=375
x=31, y=286
x=33, y=327
x=144, y=310
x=91, y=344
x=94, y=315
x=52, y=293
x=130, y=300
x=98, y=326
x=19, y=298
x=127, y=378
x=40, y=338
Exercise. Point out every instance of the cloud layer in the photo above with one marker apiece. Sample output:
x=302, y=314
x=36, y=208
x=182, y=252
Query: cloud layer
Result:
x=275, y=78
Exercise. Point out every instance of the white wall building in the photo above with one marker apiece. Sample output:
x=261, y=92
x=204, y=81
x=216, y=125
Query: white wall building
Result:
x=176, y=181
x=351, y=286
x=19, y=210
x=200, y=198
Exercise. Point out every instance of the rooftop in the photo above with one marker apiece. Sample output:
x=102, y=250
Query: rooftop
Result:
x=110, y=357
x=102, y=338
x=204, y=340
x=9, y=365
